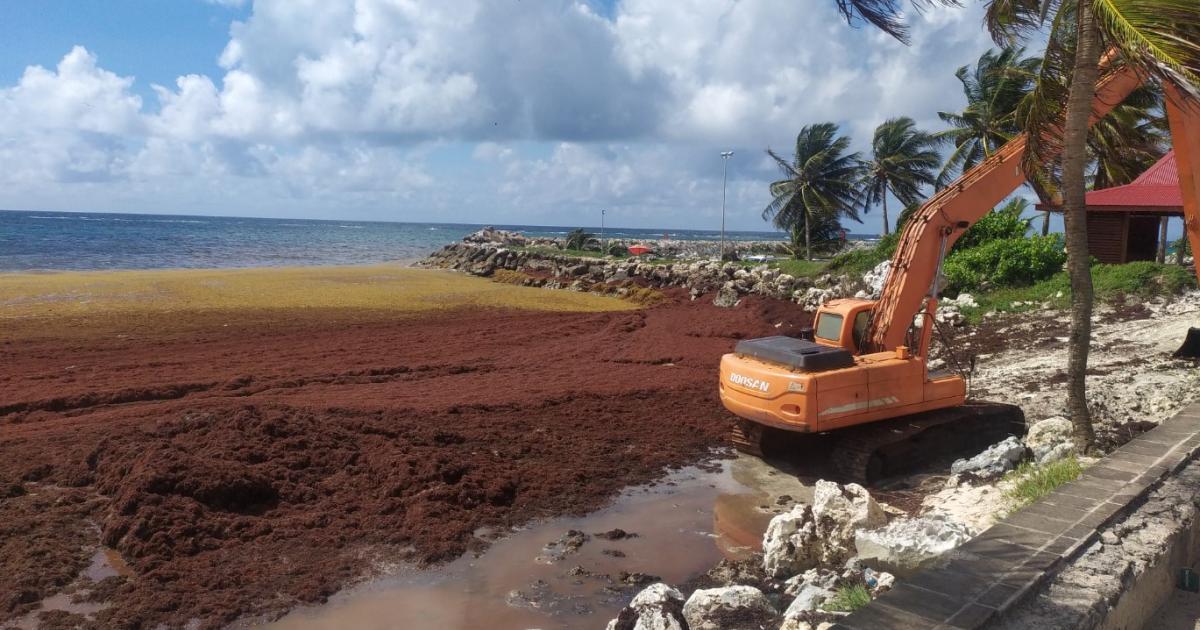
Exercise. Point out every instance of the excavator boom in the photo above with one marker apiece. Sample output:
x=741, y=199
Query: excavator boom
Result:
x=937, y=224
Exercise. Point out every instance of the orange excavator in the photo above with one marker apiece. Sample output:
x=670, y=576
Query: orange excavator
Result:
x=864, y=371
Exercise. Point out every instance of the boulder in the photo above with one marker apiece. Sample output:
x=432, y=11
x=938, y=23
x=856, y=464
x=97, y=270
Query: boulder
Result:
x=1050, y=440
x=840, y=511
x=727, y=296
x=906, y=545
x=490, y=234
x=998, y=459
x=810, y=589
x=820, y=534
x=791, y=544
x=875, y=279
x=657, y=607
x=814, y=297
x=713, y=608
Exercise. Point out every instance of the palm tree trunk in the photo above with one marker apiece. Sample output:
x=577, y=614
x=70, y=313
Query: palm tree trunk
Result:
x=885, y=218
x=808, y=235
x=1079, y=109
x=1161, y=256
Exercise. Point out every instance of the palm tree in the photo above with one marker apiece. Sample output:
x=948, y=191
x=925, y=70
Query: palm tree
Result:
x=1129, y=140
x=994, y=89
x=903, y=160
x=819, y=183
x=1161, y=38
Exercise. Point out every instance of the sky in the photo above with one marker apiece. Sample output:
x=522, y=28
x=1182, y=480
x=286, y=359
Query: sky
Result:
x=478, y=111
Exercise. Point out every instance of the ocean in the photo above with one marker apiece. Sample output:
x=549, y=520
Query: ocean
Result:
x=89, y=241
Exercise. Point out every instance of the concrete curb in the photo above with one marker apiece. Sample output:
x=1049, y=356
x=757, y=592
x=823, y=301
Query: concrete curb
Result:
x=997, y=570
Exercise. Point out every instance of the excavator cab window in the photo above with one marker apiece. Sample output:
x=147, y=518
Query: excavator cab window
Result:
x=861, y=322
x=829, y=327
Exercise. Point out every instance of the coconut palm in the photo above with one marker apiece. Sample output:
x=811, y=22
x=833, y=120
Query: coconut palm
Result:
x=1160, y=38
x=1129, y=140
x=903, y=160
x=819, y=183
x=994, y=89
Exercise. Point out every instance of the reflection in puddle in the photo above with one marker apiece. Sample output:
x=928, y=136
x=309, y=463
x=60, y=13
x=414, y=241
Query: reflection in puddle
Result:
x=684, y=524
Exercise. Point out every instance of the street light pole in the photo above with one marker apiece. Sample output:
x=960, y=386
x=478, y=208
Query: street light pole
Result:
x=725, y=155
x=603, y=243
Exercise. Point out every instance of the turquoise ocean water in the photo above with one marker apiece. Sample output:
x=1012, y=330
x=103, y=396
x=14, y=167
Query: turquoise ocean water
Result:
x=83, y=241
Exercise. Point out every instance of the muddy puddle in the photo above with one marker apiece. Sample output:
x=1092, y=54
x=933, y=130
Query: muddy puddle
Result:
x=105, y=563
x=682, y=526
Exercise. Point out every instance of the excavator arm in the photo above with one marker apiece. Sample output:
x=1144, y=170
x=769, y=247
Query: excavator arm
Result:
x=937, y=224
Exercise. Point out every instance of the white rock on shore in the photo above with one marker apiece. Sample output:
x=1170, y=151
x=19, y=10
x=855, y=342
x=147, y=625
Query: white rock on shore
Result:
x=994, y=462
x=909, y=544
x=1050, y=440
x=657, y=607
x=705, y=607
x=820, y=534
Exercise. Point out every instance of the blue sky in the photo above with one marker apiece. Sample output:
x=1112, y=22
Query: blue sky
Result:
x=541, y=111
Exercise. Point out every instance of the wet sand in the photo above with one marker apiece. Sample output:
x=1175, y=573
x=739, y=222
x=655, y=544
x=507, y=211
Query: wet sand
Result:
x=252, y=442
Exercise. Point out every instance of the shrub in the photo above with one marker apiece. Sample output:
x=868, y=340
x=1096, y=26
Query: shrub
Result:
x=1011, y=262
x=1142, y=277
x=1034, y=482
x=848, y=599
x=1003, y=223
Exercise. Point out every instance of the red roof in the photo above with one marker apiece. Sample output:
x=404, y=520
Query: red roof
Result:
x=1158, y=187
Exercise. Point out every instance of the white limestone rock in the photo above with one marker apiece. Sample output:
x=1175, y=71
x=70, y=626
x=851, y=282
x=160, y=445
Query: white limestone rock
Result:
x=840, y=511
x=998, y=459
x=727, y=296
x=657, y=607
x=909, y=544
x=820, y=534
x=1050, y=440
x=705, y=607
x=876, y=278
x=791, y=543
x=810, y=589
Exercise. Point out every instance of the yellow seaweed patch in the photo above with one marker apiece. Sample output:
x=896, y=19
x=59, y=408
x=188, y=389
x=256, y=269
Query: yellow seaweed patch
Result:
x=91, y=299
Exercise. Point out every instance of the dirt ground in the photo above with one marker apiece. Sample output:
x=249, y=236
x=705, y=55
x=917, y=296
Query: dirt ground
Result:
x=242, y=466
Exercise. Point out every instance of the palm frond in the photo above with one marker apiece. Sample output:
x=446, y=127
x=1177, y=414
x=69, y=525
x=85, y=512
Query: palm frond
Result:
x=1159, y=37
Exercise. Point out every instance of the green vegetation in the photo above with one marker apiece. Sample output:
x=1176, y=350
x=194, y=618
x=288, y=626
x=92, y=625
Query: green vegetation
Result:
x=848, y=599
x=1009, y=262
x=578, y=239
x=800, y=268
x=1111, y=282
x=1034, y=482
x=1002, y=223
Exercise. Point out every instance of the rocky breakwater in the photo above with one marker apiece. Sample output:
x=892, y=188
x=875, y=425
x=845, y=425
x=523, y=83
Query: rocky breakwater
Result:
x=513, y=258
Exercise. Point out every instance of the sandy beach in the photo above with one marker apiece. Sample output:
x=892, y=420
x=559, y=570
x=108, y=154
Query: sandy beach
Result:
x=241, y=442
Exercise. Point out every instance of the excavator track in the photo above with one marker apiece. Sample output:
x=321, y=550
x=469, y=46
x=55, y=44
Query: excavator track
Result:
x=747, y=437
x=868, y=453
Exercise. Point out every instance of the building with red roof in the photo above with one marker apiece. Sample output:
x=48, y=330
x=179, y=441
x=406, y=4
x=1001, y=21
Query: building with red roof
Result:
x=1127, y=223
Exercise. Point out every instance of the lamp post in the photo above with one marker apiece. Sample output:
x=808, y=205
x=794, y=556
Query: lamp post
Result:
x=603, y=243
x=725, y=155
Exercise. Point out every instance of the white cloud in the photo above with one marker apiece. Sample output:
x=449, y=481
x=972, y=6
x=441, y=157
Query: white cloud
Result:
x=546, y=107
